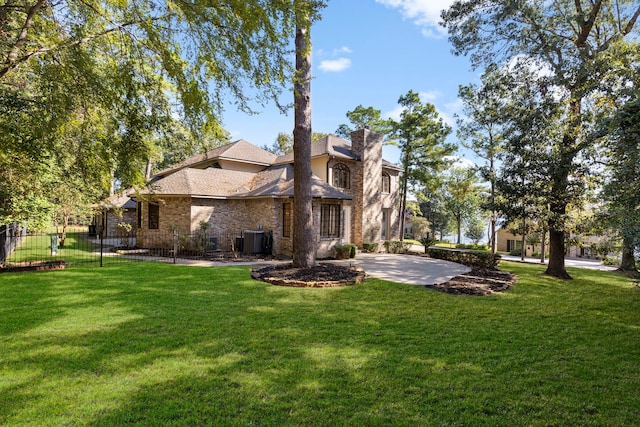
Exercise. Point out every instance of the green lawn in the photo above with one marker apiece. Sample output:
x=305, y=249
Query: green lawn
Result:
x=156, y=344
x=37, y=248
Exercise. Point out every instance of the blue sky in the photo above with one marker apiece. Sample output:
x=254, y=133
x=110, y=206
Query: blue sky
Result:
x=370, y=52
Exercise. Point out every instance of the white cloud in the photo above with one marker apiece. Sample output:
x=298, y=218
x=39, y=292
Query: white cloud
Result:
x=335, y=65
x=424, y=13
x=394, y=114
x=342, y=50
x=460, y=162
x=429, y=96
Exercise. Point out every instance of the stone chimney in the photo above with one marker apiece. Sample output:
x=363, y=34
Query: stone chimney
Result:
x=367, y=198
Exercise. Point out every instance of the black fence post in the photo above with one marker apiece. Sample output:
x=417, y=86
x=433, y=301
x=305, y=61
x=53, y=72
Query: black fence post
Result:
x=175, y=247
x=101, y=249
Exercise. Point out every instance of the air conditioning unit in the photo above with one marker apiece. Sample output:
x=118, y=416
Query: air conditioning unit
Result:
x=253, y=241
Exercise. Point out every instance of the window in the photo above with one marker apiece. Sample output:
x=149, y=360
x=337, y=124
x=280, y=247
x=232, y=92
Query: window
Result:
x=514, y=245
x=286, y=220
x=386, y=183
x=154, y=216
x=330, y=221
x=341, y=176
x=139, y=209
x=384, y=225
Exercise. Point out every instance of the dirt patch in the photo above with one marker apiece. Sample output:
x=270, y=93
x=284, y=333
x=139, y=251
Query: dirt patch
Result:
x=478, y=282
x=320, y=276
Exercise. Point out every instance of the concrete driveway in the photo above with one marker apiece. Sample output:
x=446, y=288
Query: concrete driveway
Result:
x=410, y=269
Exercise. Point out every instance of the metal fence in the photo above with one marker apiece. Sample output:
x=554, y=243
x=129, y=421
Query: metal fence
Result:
x=20, y=248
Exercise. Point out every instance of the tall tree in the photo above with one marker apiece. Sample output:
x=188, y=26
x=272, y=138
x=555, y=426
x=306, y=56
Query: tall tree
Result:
x=461, y=198
x=574, y=45
x=363, y=118
x=480, y=130
x=420, y=134
x=622, y=188
x=303, y=235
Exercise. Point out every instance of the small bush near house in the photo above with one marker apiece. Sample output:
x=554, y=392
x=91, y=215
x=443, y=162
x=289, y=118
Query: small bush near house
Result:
x=396, y=246
x=482, y=259
x=516, y=252
x=611, y=261
x=473, y=247
x=345, y=251
x=370, y=247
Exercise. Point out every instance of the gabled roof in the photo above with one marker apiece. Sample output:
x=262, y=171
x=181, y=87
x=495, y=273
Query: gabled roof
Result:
x=120, y=200
x=329, y=145
x=277, y=181
x=240, y=151
x=333, y=146
x=202, y=182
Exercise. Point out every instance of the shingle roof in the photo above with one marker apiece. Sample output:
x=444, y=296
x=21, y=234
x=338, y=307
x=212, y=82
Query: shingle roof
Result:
x=329, y=145
x=239, y=150
x=277, y=181
x=202, y=182
x=120, y=200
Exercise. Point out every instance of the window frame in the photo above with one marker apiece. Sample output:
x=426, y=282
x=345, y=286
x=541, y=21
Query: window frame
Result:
x=330, y=221
x=153, y=216
x=341, y=176
x=287, y=219
x=139, y=214
x=386, y=182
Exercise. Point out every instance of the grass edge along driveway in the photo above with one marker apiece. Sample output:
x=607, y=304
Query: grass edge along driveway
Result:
x=156, y=344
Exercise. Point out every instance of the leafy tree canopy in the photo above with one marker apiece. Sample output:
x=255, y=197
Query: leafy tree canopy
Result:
x=120, y=78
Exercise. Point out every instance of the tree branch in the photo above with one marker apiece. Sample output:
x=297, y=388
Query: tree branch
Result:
x=22, y=36
x=11, y=65
x=631, y=23
x=587, y=26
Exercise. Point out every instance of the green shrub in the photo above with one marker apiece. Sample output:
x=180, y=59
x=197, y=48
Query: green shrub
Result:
x=426, y=242
x=396, y=246
x=482, y=259
x=370, y=247
x=516, y=252
x=345, y=251
x=473, y=247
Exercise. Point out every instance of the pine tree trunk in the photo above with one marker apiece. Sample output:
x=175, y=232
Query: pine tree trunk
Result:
x=303, y=236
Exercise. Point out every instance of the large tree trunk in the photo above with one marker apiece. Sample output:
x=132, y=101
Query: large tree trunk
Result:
x=628, y=263
x=556, y=266
x=558, y=205
x=303, y=236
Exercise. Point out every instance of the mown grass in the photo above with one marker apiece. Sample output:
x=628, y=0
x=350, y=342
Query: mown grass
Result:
x=156, y=344
x=37, y=248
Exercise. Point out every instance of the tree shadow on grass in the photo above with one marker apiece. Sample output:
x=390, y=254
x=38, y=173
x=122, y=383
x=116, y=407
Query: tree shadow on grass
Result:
x=154, y=344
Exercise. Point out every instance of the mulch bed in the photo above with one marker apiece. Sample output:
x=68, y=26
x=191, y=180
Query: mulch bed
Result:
x=478, y=281
x=36, y=266
x=320, y=276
